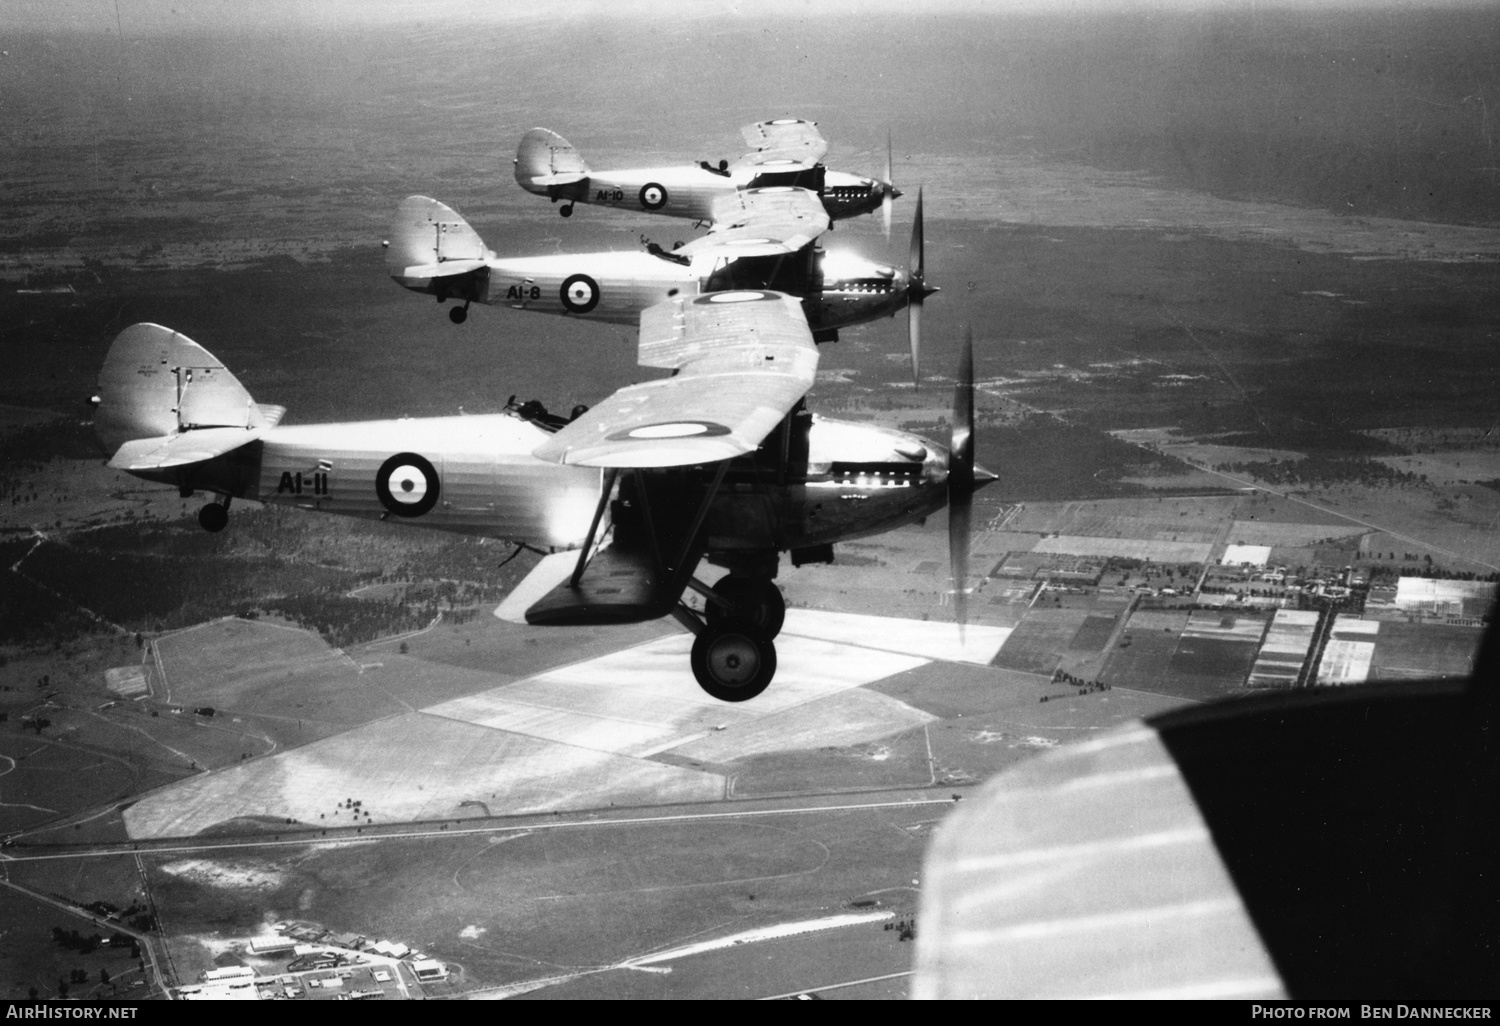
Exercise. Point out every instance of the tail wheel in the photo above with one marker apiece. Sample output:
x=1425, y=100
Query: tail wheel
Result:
x=213, y=517
x=758, y=601
x=733, y=664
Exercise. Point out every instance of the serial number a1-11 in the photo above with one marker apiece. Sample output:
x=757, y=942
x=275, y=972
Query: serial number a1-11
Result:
x=316, y=483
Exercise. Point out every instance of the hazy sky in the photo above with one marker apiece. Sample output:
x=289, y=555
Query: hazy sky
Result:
x=150, y=17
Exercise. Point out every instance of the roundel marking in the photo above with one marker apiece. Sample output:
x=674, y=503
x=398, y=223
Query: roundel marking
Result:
x=653, y=196
x=580, y=294
x=737, y=297
x=407, y=485
x=671, y=429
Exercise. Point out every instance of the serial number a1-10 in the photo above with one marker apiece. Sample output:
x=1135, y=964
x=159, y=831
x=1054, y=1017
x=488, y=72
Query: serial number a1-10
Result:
x=609, y=195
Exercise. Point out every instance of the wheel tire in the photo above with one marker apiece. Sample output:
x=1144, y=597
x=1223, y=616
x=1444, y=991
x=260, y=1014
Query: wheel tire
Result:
x=458, y=315
x=764, y=610
x=733, y=664
x=213, y=517
x=566, y=211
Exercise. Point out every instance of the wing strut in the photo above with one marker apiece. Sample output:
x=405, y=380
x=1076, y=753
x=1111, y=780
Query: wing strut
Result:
x=588, y=543
x=681, y=569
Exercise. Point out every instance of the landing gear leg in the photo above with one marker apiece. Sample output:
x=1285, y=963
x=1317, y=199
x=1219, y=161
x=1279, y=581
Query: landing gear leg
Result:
x=733, y=663
x=215, y=515
x=459, y=314
x=757, y=603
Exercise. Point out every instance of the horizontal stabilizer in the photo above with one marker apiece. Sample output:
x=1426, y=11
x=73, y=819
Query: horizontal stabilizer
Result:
x=181, y=449
x=570, y=178
x=444, y=270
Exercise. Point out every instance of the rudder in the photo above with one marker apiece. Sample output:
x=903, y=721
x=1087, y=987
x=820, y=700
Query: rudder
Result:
x=545, y=161
x=425, y=236
x=157, y=382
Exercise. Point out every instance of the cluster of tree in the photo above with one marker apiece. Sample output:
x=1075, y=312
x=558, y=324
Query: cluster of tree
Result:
x=906, y=929
x=72, y=940
x=1325, y=469
x=1213, y=589
x=343, y=621
x=1439, y=574
x=1080, y=686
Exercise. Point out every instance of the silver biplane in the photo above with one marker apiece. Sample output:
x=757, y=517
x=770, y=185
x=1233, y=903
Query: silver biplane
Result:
x=720, y=461
x=761, y=238
x=784, y=152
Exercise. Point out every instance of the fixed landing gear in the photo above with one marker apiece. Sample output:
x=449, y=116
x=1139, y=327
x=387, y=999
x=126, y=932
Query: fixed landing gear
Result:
x=566, y=210
x=733, y=663
x=758, y=605
x=459, y=314
x=734, y=656
x=215, y=515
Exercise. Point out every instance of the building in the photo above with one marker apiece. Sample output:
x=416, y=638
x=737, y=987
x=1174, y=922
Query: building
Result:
x=1431, y=597
x=272, y=945
x=429, y=970
x=229, y=972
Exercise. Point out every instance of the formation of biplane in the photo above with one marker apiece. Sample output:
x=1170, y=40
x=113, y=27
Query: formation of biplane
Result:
x=721, y=461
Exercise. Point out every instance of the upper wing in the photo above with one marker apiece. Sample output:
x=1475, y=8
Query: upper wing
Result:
x=781, y=141
x=743, y=360
x=762, y=222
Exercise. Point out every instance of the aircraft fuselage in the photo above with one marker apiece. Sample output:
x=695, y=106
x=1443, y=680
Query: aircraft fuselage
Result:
x=838, y=290
x=690, y=191
x=476, y=475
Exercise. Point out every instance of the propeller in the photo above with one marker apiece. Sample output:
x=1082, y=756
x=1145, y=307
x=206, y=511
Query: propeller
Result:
x=961, y=476
x=917, y=291
x=888, y=191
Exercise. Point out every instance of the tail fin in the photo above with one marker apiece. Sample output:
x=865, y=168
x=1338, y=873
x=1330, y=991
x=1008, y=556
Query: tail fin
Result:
x=430, y=240
x=156, y=382
x=545, y=160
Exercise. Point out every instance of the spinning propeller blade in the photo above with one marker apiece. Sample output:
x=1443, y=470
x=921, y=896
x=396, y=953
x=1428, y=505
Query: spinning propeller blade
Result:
x=888, y=192
x=961, y=485
x=917, y=291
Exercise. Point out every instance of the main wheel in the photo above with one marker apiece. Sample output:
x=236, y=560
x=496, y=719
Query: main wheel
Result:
x=213, y=517
x=760, y=605
x=733, y=664
x=458, y=314
x=566, y=211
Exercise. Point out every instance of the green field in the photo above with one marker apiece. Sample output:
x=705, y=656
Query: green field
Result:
x=1212, y=665
x=1423, y=651
x=1039, y=642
